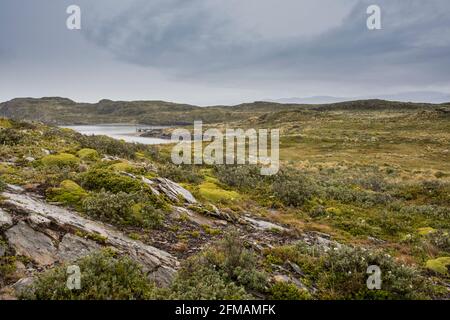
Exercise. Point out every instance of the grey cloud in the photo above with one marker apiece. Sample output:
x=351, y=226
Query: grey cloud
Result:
x=193, y=38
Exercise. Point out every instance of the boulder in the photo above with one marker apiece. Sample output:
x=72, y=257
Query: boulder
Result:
x=158, y=264
x=22, y=284
x=174, y=191
x=264, y=225
x=150, y=184
x=193, y=216
x=32, y=244
x=73, y=248
x=5, y=219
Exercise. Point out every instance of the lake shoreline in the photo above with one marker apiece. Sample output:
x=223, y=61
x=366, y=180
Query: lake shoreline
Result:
x=126, y=132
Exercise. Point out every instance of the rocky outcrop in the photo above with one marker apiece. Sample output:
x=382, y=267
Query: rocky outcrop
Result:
x=32, y=244
x=72, y=248
x=5, y=219
x=264, y=225
x=45, y=234
x=174, y=191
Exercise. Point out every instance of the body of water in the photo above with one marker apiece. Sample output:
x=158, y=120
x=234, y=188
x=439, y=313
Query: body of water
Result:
x=119, y=131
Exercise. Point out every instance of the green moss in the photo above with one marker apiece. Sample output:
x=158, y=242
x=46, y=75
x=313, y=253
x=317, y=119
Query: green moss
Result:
x=88, y=154
x=98, y=179
x=439, y=265
x=5, y=123
x=212, y=192
x=426, y=231
x=123, y=166
x=69, y=192
x=288, y=291
x=5, y=169
x=333, y=211
x=60, y=160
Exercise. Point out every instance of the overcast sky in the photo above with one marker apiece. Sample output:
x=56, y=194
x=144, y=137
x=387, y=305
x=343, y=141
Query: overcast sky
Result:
x=222, y=51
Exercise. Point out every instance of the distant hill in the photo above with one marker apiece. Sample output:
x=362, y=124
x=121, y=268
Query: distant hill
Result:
x=56, y=110
x=414, y=96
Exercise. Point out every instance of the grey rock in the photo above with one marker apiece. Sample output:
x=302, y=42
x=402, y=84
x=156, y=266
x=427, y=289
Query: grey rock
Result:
x=73, y=248
x=289, y=279
x=150, y=257
x=14, y=188
x=5, y=219
x=3, y=249
x=264, y=225
x=193, y=216
x=32, y=244
x=22, y=284
x=174, y=191
x=296, y=268
x=150, y=184
x=127, y=174
x=36, y=220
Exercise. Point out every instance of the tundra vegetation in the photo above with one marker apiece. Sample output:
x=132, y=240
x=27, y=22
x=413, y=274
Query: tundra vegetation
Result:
x=359, y=185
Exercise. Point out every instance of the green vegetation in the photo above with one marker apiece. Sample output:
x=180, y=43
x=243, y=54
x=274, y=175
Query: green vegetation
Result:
x=88, y=154
x=341, y=273
x=69, y=193
x=61, y=160
x=106, y=276
x=124, y=209
x=98, y=179
x=373, y=176
x=440, y=265
x=288, y=291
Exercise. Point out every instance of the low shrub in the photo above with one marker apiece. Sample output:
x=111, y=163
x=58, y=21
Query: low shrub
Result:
x=88, y=154
x=104, y=276
x=288, y=291
x=124, y=209
x=341, y=273
x=110, y=146
x=10, y=136
x=224, y=271
x=197, y=282
x=98, y=179
x=236, y=262
x=440, y=239
x=187, y=174
x=61, y=160
x=240, y=177
x=2, y=185
x=69, y=192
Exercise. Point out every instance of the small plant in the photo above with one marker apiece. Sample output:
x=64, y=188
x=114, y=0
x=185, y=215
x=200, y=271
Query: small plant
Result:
x=61, y=160
x=187, y=174
x=11, y=137
x=2, y=185
x=123, y=209
x=105, y=276
x=98, y=179
x=69, y=192
x=288, y=291
x=87, y=154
